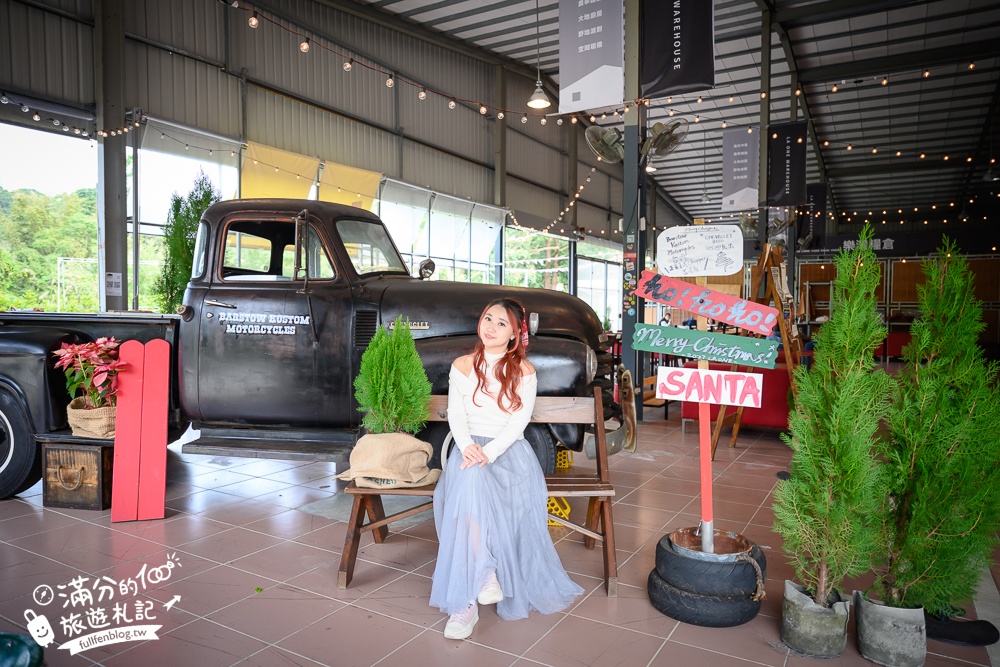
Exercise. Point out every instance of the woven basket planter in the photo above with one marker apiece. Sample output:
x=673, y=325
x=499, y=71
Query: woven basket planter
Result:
x=90, y=422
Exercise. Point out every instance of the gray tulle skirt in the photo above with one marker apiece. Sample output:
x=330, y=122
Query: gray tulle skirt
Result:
x=494, y=518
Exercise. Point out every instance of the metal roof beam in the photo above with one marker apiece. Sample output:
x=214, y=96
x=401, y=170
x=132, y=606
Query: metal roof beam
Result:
x=901, y=62
x=834, y=10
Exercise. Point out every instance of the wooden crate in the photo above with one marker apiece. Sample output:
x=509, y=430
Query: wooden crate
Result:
x=77, y=476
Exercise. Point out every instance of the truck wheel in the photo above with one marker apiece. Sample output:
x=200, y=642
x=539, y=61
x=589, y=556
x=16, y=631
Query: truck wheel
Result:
x=20, y=460
x=544, y=444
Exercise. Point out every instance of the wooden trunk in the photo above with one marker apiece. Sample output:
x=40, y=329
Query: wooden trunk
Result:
x=77, y=476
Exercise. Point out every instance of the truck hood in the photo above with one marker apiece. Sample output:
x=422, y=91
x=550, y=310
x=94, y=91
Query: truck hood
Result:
x=442, y=308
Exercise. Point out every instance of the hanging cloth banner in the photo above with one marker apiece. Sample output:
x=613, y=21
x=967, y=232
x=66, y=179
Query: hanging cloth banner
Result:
x=591, y=54
x=740, y=169
x=678, y=47
x=786, y=175
x=812, y=219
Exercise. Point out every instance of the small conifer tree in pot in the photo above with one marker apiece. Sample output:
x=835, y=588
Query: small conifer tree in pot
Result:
x=942, y=508
x=826, y=511
x=393, y=392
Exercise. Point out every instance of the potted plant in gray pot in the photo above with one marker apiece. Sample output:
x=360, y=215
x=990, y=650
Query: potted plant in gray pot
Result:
x=826, y=510
x=942, y=509
x=393, y=392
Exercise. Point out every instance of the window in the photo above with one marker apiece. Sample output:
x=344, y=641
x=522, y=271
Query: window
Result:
x=265, y=251
x=370, y=248
x=534, y=259
x=200, y=252
x=599, y=280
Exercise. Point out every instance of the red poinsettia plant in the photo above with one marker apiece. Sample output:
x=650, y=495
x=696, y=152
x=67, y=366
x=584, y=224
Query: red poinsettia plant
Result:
x=92, y=370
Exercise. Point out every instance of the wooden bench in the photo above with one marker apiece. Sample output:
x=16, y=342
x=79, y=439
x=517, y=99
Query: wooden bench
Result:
x=598, y=524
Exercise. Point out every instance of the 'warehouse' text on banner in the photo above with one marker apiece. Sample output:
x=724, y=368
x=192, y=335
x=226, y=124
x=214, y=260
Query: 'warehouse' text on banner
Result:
x=702, y=386
x=754, y=317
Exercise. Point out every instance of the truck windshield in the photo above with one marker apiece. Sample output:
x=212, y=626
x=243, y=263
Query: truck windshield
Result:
x=370, y=248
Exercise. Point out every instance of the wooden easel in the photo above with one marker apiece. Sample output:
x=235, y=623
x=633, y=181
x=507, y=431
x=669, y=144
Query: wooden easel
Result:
x=770, y=262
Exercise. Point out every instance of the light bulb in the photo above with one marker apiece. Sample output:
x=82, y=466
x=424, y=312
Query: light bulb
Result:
x=3, y=99
x=898, y=153
x=593, y=119
x=500, y=115
x=885, y=81
x=304, y=46
x=389, y=82
x=24, y=108
x=850, y=147
x=749, y=130
x=798, y=91
x=874, y=150
x=724, y=125
x=524, y=119
x=544, y=121
x=834, y=89
x=451, y=104
x=763, y=94
x=422, y=95
x=559, y=121
x=65, y=128
x=697, y=119
x=36, y=117
x=573, y=120
x=927, y=73
x=730, y=98
x=55, y=121
x=253, y=21
x=482, y=109
x=972, y=65
x=699, y=99
x=348, y=64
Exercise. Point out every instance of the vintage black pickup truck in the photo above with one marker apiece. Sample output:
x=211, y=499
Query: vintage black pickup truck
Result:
x=283, y=299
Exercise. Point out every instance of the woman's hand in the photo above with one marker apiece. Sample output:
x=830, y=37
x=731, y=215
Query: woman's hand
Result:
x=472, y=455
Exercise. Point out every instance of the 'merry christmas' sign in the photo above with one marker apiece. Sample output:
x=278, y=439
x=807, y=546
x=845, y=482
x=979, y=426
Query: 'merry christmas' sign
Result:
x=742, y=350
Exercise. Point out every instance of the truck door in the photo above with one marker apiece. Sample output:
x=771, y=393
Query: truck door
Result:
x=275, y=345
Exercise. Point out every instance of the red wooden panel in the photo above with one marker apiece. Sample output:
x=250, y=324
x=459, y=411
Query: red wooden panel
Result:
x=153, y=448
x=128, y=425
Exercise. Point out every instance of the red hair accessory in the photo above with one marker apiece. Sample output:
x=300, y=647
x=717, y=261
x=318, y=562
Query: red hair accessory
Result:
x=524, y=329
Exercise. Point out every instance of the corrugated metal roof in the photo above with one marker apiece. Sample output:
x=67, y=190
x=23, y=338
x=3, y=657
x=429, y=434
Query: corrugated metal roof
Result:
x=919, y=142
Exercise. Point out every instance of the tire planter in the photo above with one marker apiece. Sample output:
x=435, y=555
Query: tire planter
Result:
x=711, y=611
x=711, y=577
x=890, y=635
x=812, y=629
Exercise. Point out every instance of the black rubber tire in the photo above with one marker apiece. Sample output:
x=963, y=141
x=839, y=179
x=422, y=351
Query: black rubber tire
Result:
x=20, y=460
x=710, y=611
x=541, y=440
x=708, y=577
x=434, y=433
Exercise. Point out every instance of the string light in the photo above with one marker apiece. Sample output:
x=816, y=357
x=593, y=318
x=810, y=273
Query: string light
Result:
x=482, y=109
x=500, y=115
x=349, y=65
x=389, y=82
x=452, y=104
x=304, y=45
x=422, y=95
x=253, y=21
x=927, y=73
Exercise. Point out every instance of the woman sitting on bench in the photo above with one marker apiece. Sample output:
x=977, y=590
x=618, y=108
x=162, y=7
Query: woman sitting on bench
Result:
x=490, y=503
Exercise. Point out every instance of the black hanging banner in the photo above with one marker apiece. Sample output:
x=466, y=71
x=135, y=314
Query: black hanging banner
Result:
x=812, y=219
x=786, y=175
x=678, y=47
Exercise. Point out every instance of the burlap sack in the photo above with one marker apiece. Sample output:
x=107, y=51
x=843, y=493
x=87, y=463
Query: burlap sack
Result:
x=390, y=461
x=90, y=422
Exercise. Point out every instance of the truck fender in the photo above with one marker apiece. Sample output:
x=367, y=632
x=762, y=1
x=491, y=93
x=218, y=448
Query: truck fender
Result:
x=20, y=458
x=27, y=369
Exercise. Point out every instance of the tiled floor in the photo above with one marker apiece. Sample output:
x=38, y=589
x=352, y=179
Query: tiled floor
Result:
x=254, y=578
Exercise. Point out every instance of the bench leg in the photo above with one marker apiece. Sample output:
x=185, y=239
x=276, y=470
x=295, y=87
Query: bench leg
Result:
x=350, y=553
x=373, y=506
x=593, y=516
x=610, y=556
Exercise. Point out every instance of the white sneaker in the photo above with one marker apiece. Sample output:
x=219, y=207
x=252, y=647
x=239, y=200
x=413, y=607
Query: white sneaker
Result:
x=460, y=625
x=491, y=593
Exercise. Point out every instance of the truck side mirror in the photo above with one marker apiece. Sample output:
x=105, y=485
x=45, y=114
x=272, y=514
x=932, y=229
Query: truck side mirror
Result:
x=426, y=269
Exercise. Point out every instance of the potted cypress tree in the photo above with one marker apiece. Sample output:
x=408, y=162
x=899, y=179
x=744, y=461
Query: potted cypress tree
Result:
x=393, y=392
x=826, y=510
x=942, y=509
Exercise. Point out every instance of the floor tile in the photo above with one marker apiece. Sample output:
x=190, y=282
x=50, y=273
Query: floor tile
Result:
x=275, y=613
x=350, y=637
x=201, y=642
x=579, y=641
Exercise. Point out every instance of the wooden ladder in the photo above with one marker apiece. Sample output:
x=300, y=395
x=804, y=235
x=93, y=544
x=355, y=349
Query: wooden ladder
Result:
x=771, y=264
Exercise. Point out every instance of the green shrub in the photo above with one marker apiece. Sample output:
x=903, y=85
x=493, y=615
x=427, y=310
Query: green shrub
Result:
x=392, y=388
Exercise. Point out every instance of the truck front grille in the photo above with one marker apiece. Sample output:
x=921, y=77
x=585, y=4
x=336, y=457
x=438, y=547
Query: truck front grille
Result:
x=365, y=325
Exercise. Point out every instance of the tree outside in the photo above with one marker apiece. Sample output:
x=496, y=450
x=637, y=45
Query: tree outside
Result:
x=178, y=242
x=535, y=260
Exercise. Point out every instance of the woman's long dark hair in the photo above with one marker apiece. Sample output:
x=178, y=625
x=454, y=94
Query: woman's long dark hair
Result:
x=508, y=367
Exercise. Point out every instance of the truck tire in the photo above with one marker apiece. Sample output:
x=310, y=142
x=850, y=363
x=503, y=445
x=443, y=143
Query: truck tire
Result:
x=20, y=460
x=538, y=437
x=710, y=611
